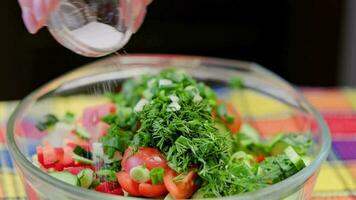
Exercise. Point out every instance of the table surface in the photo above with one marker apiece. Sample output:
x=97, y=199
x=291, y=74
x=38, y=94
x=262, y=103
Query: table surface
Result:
x=336, y=180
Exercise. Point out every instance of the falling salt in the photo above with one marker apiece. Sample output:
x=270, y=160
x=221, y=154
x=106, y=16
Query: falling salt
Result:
x=98, y=35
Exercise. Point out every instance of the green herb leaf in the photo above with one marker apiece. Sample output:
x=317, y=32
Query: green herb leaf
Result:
x=156, y=175
x=116, y=140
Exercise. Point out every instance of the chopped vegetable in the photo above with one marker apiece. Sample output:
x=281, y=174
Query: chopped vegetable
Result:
x=65, y=177
x=169, y=133
x=47, y=122
x=80, y=151
x=69, y=117
x=156, y=175
x=85, y=177
x=140, y=174
x=82, y=160
x=294, y=157
x=109, y=175
x=82, y=133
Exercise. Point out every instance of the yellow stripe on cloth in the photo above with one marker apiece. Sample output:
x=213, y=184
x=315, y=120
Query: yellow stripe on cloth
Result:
x=60, y=105
x=2, y=110
x=253, y=104
x=76, y=104
x=351, y=95
x=13, y=187
x=334, y=178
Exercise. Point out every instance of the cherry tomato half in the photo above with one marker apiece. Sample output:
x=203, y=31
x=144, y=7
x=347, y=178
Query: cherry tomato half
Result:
x=181, y=189
x=148, y=156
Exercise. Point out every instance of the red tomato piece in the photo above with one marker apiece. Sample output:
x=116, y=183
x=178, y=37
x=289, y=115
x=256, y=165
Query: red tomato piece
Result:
x=72, y=144
x=58, y=166
x=40, y=154
x=79, y=164
x=50, y=155
x=57, y=158
x=73, y=170
x=260, y=158
x=127, y=183
x=107, y=187
x=182, y=189
x=117, y=191
x=68, y=157
x=236, y=125
x=150, y=190
x=148, y=156
x=93, y=114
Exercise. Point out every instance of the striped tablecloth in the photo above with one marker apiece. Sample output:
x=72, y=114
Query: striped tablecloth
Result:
x=337, y=178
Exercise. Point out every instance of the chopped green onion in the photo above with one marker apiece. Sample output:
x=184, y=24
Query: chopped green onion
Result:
x=48, y=122
x=156, y=175
x=294, y=157
x=140, y=174
x=69, y=117
x=82, y=159
x=80, y=151
x=82, y=133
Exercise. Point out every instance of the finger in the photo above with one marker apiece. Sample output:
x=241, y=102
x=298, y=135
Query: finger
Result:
x=147, y=2
x=51, y=5
x=39, y=10
x=138, y=12
x=139, y=20
x=25, y=3
x=29, y=20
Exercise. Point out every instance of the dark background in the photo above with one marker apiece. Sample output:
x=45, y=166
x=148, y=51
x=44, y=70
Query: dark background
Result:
x=297, y=39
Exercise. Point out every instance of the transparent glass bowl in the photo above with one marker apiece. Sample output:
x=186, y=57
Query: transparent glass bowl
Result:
x=264, y=98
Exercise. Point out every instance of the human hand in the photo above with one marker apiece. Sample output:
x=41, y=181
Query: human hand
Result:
x=35, y=12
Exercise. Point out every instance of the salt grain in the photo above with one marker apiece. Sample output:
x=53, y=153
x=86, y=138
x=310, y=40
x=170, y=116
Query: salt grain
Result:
x=98, y=35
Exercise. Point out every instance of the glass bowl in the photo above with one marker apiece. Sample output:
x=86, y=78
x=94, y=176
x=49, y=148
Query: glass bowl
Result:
x=266, y=101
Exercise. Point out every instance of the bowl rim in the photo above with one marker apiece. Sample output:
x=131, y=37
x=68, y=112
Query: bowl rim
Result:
x=299, y=177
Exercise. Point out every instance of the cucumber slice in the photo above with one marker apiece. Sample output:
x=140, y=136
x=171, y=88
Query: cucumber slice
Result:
x=278, y=147
x=294, y=157
x=82, y=160
x=307, y=160
x=250, y=132
x=140, y=174
x=85, y=178
x=65, y=177
x=35, y=161
x=82, y=133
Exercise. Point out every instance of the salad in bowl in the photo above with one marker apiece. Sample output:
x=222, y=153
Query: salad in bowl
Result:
x=167, y=135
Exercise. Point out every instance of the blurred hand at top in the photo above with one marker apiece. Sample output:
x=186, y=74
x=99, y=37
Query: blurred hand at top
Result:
x=35, y=12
